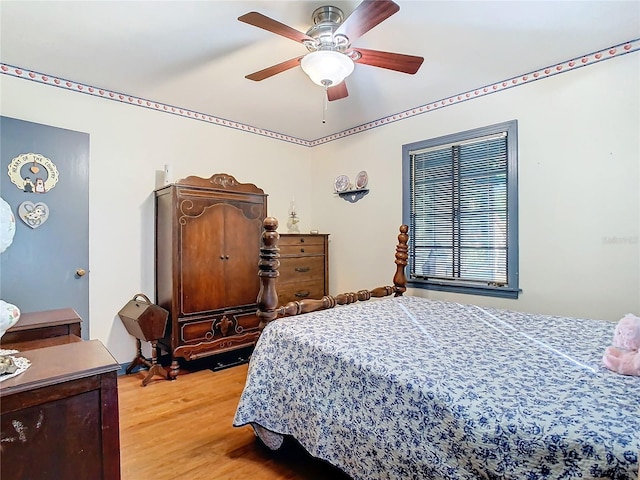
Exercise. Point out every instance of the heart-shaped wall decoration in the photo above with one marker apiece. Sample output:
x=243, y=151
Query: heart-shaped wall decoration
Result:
x=33, y=214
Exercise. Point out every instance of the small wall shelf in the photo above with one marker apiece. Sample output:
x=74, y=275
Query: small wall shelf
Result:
x=353, y=196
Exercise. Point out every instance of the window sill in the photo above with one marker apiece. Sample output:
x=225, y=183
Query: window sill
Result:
x=501, y=292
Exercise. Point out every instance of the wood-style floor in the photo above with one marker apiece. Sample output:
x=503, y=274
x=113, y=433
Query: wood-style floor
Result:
x=183, y=430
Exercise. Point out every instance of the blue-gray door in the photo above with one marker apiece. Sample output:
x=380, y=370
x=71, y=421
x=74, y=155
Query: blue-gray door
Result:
x=45, y=180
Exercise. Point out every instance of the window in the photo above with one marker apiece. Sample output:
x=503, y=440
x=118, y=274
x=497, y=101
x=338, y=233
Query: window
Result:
x=460, y=200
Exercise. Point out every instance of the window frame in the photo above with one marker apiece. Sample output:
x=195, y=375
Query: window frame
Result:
x=511, y=289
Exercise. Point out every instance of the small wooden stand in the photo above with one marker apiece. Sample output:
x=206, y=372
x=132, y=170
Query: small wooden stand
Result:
x=147, y=322
x=153, y=366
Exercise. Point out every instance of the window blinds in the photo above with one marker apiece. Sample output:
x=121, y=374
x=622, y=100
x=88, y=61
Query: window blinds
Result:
x=458, y=203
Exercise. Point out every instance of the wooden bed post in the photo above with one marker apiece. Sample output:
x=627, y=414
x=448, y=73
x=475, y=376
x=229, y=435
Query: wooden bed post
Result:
x=268, y=272
x=400, y=278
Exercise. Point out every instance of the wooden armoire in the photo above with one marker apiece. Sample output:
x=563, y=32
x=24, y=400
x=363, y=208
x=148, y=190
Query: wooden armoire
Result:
x=208, y=233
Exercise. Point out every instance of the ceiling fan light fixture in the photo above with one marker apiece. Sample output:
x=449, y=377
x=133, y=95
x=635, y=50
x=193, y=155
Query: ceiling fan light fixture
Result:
x=326, y=67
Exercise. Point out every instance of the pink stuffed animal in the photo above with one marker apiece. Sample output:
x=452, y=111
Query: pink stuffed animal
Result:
x=624, y=355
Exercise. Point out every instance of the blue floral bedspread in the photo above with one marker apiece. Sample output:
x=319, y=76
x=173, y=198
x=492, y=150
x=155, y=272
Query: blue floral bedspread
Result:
x=410, y=388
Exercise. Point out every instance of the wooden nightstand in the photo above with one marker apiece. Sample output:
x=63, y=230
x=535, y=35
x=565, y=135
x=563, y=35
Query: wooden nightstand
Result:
x=304, y=267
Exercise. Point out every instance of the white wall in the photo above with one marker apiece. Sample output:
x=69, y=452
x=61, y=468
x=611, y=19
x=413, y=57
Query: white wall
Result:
x=129, y=146
x=579, y=181
x=579, y=143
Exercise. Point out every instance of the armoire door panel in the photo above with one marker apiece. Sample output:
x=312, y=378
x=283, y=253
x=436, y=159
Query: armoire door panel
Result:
x=242, y=249
x=202, y=263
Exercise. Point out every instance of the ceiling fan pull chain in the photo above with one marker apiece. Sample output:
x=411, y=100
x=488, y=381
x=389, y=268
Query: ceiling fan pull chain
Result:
x=325, y=104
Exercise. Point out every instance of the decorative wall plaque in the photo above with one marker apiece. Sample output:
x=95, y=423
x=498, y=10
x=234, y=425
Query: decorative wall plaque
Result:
x=33, y=214
x=33, y=173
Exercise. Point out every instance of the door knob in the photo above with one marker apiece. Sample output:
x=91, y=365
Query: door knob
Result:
x=81, y=272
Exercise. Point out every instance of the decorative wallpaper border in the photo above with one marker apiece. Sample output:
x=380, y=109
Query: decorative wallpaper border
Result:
x=566, y=66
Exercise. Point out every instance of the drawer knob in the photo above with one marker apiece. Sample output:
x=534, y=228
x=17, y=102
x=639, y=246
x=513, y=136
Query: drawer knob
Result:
x=302, y=250
x=302, y=240
x=302, y=294
x=302, y=269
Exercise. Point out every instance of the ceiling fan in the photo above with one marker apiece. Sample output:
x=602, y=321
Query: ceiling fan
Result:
x=331, y=57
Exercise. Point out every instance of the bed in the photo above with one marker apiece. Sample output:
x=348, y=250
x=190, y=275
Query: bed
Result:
x=388, y=386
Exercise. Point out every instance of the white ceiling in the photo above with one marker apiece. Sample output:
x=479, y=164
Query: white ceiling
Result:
x=194, y=55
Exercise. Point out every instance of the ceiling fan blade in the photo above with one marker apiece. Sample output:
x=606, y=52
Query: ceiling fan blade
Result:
x=337, y=92
x=392, y=61
x=261, y=21
x=274, y=69
x=366, y=16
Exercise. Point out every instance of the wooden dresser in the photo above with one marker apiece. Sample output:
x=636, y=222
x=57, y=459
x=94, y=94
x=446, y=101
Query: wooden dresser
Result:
x=208, y=233
x=43, y=329
x=59, y=418
x=304, y=267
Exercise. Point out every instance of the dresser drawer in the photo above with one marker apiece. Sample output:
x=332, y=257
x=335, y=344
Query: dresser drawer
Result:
x=290, y=292
x=218, y=326
x=299, y=269
x=301, y=249
x=301, y=240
